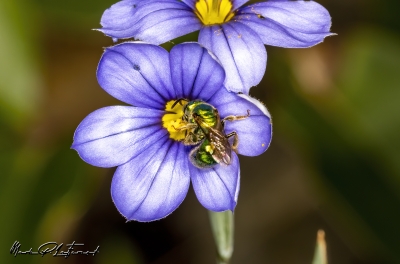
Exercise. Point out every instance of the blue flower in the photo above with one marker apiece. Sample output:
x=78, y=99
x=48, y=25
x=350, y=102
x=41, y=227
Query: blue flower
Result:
x=154, y=168
x=236, y=34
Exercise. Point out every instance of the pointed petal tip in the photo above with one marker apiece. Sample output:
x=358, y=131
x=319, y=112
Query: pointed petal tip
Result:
x=144, y=220
x=134, y=217
x=104, y=31
x=233, y=206
x=322, y=40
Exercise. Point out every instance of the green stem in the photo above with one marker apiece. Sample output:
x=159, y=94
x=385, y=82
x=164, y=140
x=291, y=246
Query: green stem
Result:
x=222, y=225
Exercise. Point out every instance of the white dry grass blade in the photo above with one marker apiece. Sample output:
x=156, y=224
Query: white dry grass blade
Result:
x=320, y=255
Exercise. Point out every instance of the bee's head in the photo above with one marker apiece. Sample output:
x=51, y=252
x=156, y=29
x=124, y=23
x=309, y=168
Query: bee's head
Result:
x=188, y=110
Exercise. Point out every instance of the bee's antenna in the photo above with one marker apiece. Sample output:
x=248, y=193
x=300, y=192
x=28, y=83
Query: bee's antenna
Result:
x=178, y=101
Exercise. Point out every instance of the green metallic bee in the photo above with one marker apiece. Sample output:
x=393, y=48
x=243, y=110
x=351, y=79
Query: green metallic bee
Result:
x=204, y=127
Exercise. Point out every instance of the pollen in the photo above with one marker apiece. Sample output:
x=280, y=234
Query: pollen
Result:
x=212, y=12
x=172, y=120
x=209, y=149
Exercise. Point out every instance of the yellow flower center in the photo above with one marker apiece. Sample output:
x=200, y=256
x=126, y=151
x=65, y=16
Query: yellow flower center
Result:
x=212, y=12
x=172, y=119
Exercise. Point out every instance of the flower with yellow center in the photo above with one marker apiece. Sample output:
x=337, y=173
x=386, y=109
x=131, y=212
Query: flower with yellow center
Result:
x=145, y=140
x=234, y=32
x=212, y=12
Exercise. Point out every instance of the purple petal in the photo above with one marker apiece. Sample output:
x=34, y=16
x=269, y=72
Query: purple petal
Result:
x=190, y=3
x=238, y=3
x=137, y=74
x=289, y=24
x=157, y=22
x=119, y=18
x=254, y=132
x=240, y=51
x=154, y=184
x=113, y=135
x=217, y=188
x=196, y=74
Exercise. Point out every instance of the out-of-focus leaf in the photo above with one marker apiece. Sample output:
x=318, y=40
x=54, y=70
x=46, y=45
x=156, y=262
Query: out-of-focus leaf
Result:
x=118, y=249
x=47, y=193
x=370, y=81
x=15, y=193
x=20, y=88
x=353, y=136
x=77, y=15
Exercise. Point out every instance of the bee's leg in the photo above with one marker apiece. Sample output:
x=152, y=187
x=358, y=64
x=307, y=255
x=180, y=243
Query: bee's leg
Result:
x=189, y=139
x=184, y=127
x=235, y=140
x=234, y=118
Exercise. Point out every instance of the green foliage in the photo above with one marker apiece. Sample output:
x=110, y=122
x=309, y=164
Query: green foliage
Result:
x=20, y=83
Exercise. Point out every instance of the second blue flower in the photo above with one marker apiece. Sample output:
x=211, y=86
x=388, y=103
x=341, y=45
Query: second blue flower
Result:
x=236, y=34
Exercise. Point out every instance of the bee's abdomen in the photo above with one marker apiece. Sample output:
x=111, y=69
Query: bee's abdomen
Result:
x=202, y=157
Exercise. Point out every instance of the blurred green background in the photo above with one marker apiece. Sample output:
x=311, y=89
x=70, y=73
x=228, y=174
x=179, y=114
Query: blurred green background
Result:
x=334, y=162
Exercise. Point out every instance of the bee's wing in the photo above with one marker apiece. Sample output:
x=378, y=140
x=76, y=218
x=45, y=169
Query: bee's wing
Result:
x=222, y=148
